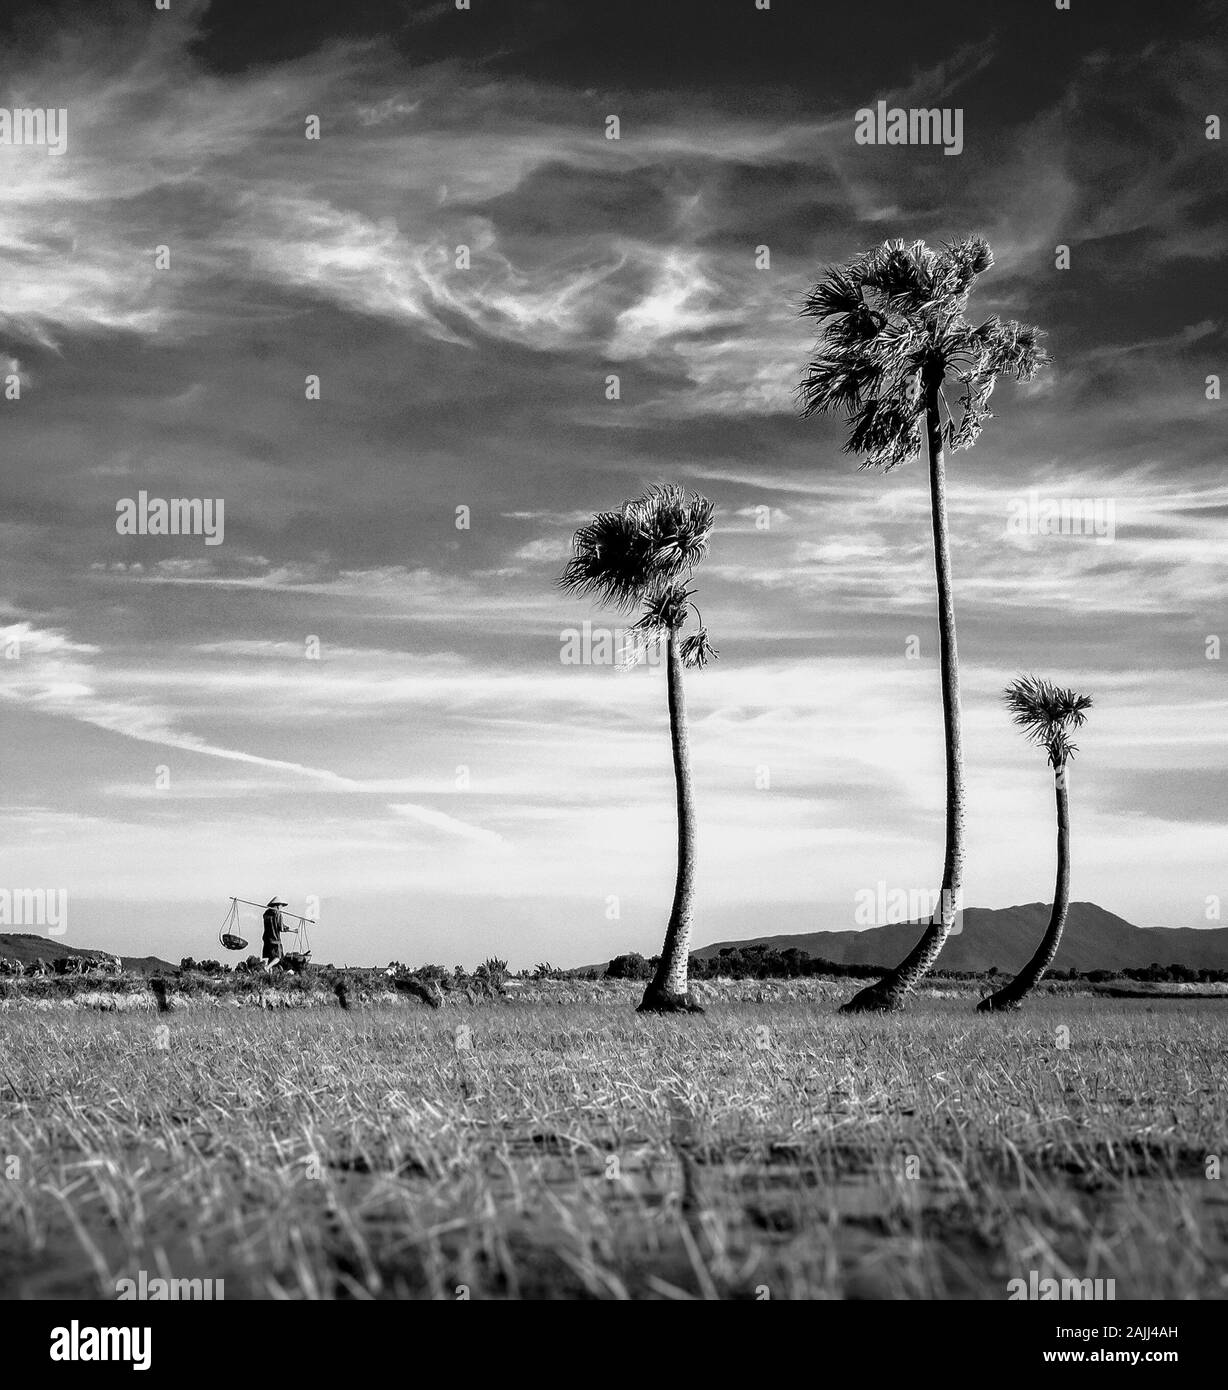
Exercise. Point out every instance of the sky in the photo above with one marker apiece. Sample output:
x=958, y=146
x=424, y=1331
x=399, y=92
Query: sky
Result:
x=357, y=700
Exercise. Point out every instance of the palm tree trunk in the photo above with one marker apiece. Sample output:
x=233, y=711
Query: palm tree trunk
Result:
x=891, y=990
x=1031, y=975
x=669, y=991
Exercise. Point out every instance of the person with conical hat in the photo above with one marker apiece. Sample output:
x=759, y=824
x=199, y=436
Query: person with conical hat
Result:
x=272, y=933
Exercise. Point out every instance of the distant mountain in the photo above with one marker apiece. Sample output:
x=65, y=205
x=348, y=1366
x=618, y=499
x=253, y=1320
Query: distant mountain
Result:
x=1006, y=937
x=27, y=948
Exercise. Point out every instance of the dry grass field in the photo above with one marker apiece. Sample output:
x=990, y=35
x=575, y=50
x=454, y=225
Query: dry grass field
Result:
x=558, y=1145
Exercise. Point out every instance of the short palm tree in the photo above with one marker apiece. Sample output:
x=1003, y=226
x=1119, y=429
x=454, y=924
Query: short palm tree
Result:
x=643, y=557
x=1047, y=715
x=893, y=337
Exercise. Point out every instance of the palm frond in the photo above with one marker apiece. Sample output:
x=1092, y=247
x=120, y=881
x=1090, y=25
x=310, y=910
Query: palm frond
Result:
x=962, y=260
x=610, y=560
x=697, y=650
x=887, y=432
x=905, y=276
x=891, y=321
x=678, y=528
x=838, y=292
x=620, y=556
x=644, y=556
x=665, y=608
x=1047, y=714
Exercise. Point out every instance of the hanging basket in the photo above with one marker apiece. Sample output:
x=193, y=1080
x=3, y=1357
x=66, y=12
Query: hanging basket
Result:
x=233, y=942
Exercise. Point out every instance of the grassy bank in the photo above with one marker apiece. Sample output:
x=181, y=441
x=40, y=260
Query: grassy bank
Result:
x=573, y=1148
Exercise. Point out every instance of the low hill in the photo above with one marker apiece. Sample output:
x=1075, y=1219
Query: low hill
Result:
x=27, y=948
x=1006, y=937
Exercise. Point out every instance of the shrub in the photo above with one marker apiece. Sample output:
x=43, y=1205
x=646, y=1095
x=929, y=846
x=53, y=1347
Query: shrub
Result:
x=424, y=972
x=492, y=972
x=632, y=966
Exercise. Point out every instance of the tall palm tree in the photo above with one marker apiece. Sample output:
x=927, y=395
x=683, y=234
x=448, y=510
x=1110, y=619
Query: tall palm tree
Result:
x=1047, y=715
x=893, y=335
x=643, y=557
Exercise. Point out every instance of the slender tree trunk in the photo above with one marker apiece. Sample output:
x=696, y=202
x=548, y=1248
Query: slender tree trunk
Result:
x=669, y=990
x=1030, y=976
x=891, y=990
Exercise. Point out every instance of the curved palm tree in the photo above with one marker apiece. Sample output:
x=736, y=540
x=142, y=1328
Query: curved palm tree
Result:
x=643, y=557
x=893, y=336
x=1047, y=714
